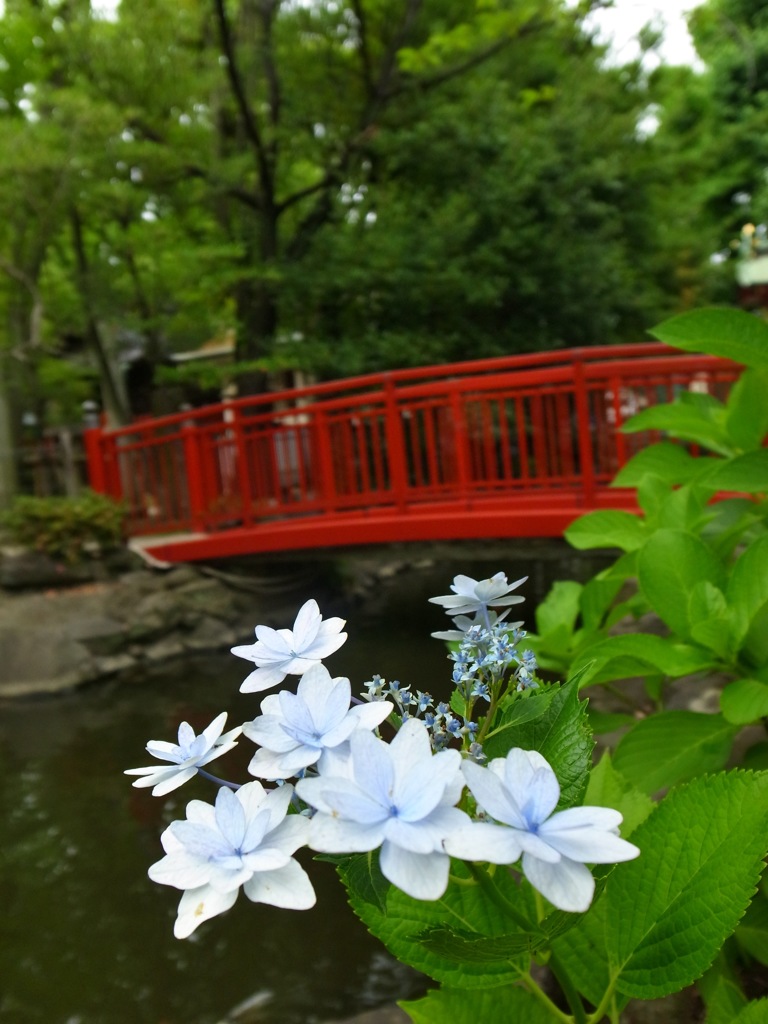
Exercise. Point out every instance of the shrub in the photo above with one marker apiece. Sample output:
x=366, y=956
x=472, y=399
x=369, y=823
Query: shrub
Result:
x=67, y=528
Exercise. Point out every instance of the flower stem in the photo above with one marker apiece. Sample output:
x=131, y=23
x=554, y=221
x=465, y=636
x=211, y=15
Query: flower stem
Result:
x=217, y=780
x=569, y=989
x=543, y=998
x=605, y=1005
x=487, y=883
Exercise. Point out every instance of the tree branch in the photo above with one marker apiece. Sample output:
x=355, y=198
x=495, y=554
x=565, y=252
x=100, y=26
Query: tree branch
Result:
x=247, y=117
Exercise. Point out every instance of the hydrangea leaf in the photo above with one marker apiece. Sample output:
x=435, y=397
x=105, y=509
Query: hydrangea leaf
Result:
x=755, y=1012
x=606, y=528
x=747, y=418
x=693, y=417
x=752, y=933
x=406, y=919
x=638, y=654
x=608, y=788
x=517, y=709
x=721, y=991
x=730, y=333
x=747, y=595
x=562, y=735
x=669, y=911
x=744, y=701
x=710, y=619
x=596, y=598
x=669, y=566
x=467, y=947
x=672, y=747
x=583, y=954
x=747, y=474
x=665, y=460
x=559, y=608
x=362, y=876
x=502, y=1006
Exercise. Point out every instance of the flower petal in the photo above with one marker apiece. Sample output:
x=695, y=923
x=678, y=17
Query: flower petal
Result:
x=567, y=885
x=198, y=905
x=483, y=841
x=288, y=887
x=328, y=834
x=424, y=876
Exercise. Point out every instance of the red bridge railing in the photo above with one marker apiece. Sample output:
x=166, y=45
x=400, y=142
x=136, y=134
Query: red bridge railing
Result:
x=529, y=428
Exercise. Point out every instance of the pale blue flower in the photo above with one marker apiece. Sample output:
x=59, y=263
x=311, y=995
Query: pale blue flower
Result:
x=522, y=791
x=245, y=840
x=278, y=653
x=186, y=756
x=295, y=730
x=398, y=796
x=475, y=597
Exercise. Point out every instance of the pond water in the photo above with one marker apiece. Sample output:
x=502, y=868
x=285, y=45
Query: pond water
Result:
x=86, y=938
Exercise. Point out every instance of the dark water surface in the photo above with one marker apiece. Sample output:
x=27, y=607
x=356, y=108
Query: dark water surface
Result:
x=86, y=938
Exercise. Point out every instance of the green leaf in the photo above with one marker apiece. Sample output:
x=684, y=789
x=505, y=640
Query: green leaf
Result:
x=671, y=747
x=583, y=954
x=665, y=460
x=721, y=991
x=752, y=933
x=502, y=1006
x=730, y=333
x=744, y=701
x=608, y=788
x=559, y=608
x=669, y=911
x=670, y=565
x=755, y=1012
x=747, y=410
x=603, y=721
x=406, y=919
x=747, y=474
x=458, y=704
x=695, y=418
x=522, y=707
x=363, y=878
x=710, y=619
x=606, y=528
x=468, y=947
x=596, y=598
x=637, y=654
x=755, y=758
x=561, y=735
x=748, y=597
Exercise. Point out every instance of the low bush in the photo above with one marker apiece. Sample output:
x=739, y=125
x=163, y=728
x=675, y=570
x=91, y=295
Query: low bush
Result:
x=71, y=529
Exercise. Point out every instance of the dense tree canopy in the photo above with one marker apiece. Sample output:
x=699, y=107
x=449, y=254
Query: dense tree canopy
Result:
x=353, y=184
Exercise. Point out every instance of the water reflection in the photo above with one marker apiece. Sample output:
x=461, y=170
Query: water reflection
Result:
x=86, y=938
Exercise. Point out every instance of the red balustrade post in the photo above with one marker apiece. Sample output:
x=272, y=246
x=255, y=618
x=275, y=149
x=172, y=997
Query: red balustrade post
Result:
x=458, y=415
x=584, y=433
x=193, y=471
x=326, y=468
x=396, y=454
x=94, y=454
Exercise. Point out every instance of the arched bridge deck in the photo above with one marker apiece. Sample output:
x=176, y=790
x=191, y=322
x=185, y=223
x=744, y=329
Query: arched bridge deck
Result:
x=517, y=446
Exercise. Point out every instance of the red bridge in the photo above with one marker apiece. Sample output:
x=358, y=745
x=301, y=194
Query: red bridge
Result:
x=517, y=446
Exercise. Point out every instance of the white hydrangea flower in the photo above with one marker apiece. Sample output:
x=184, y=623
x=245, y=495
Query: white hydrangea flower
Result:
x=521, y=791
x=299, y=729
x=186, y=756
x=471, y=596
x=278, y=653
x=245, y=840
x=399, y=796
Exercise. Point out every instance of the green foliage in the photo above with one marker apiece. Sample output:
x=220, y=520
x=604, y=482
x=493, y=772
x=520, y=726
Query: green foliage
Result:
x=71, y=529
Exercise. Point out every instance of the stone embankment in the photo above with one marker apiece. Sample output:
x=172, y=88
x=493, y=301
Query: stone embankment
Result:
x=54, y=638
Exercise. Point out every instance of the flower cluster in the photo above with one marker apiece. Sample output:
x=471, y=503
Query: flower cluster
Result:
x=420, y=797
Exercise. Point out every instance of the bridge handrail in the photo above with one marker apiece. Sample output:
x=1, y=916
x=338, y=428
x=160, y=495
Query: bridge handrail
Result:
x=457, y=432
